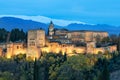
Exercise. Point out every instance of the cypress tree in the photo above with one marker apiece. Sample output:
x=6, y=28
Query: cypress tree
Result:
x=65, y=57
x=105, y=74
x=36, y=72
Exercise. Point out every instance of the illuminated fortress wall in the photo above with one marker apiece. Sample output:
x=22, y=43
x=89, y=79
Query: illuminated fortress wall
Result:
x=70, y=49
x=0, y=51
x=15, y=49
x=64, y=48
x=34, y=52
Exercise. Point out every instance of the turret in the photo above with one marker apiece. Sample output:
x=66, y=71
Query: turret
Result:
x=51, y=29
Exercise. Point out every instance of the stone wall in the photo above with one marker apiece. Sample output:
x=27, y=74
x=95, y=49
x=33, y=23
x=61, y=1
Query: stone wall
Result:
x=15, y=49
x=86, y=36
x=64, y=48
x=69, y=49
x=1, y=51
x=111, y=49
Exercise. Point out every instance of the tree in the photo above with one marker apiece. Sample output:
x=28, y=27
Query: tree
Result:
x=36, y=70
x=6, y=76
x=104, y=74
x=118, y=45
x=114, y=38
x=17, y=35
x=65, y=57
x=106, y=40
x=3, y=35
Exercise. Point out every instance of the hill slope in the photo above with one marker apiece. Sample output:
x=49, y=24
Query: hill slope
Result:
x=11, y=22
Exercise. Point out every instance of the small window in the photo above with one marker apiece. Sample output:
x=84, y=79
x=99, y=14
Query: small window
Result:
x=17, y=47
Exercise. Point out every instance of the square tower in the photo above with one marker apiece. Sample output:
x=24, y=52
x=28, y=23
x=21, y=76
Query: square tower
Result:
x=36, y=40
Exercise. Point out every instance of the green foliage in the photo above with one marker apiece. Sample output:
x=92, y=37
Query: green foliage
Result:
x=105, y=74
x=35, y=70
x=6, y=75
x=3, y=35
x=75, y=67
x=60, y=67
x=17, y=35
x=114, y=62
x=106, y=40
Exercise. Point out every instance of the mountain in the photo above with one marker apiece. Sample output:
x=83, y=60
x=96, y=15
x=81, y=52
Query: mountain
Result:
x=27, y=24
x=98, y=27
x=44, y=19
x=10, y=23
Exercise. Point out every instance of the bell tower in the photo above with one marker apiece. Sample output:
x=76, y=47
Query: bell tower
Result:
x=51, y=29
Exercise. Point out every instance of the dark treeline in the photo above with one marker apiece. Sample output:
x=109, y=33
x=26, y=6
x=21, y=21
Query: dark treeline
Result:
x=60, y=67
x=3, y=35
x=13, y=35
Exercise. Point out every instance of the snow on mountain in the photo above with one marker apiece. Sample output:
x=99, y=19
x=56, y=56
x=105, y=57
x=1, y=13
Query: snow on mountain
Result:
x=43, y=19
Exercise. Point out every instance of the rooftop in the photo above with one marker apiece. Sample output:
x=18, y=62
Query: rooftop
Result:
x=85, y=31
x=36, y=29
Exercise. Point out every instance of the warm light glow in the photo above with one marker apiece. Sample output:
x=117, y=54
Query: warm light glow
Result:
x=47, y=50
x=57, y=50
x=19, y=52
x=8, y=55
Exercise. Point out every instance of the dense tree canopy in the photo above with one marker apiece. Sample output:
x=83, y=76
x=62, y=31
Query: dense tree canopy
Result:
x=3, y=35
x=17, y=35
x=60, y=67
x=13, y=35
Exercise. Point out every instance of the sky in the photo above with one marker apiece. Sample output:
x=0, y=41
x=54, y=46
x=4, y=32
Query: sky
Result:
x=89, y=11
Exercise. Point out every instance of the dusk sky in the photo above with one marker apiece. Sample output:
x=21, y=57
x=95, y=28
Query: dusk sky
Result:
x=90, y=11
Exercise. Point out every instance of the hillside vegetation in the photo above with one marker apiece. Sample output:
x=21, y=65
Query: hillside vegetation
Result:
x=60, y=67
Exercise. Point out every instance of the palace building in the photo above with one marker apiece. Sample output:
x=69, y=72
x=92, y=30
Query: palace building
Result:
x=59, y=40
x=86, y=36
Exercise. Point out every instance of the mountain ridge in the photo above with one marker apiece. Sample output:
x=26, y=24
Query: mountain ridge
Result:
x=97, y=27
x=12, y=22
x=44, y=19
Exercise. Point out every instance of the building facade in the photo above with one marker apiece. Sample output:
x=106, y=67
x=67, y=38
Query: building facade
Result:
x=15, y=49
x=86, y=36
x=76, y=36
x=36, y=40
x=59, y=40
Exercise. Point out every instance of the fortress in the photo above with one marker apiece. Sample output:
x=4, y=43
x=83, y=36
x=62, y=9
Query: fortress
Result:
x=59, y=40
